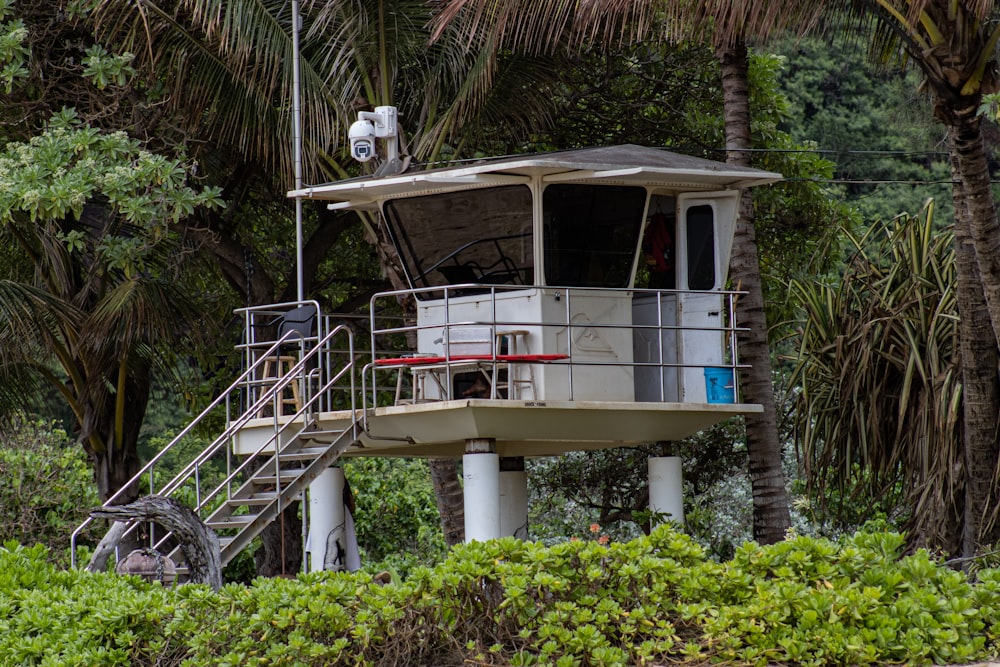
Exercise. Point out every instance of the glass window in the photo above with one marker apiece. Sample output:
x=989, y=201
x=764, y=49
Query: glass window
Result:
x=701, y=247
x=473, y=236
x=591, y=234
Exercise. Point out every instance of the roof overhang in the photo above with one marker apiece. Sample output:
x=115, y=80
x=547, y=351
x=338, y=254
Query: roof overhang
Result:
x=616, y=165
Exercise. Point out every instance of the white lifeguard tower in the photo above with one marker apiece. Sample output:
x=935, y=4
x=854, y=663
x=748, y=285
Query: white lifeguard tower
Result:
x=558, y=302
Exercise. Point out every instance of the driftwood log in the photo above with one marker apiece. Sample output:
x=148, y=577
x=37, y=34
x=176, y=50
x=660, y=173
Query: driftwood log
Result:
x=106, y=547
x=198, y=542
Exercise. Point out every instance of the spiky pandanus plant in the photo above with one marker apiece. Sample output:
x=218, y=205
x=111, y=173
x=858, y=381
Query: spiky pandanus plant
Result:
x=878, y=409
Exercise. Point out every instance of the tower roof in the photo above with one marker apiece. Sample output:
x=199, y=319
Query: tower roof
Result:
x=614, y=165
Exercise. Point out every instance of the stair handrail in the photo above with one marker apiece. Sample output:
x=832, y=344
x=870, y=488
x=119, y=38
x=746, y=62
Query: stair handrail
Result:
x=224, y=396
x=291, y=421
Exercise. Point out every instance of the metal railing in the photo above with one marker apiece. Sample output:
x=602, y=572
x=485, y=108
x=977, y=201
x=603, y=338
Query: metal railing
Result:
x=248, y=397
x=660, y=329
x=325, y=370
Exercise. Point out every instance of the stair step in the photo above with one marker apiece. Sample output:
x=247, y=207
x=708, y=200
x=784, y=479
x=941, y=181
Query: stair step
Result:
x=321, y=436
x=236, y=521
x=304, y=454
x=270, y=480
x=257, y=499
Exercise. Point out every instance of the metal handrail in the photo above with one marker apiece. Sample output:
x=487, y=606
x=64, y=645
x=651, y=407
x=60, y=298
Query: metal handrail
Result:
x=242, y=382
x=304, y=413
x=493, y=293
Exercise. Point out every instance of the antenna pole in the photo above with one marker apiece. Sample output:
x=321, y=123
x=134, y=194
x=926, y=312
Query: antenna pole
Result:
x=297, y=150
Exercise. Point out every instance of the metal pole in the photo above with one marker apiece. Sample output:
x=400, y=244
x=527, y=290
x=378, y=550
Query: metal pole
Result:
x=297, y=149
x=666, y=487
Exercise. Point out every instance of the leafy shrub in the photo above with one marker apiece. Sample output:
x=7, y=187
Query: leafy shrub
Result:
x=48, y=487
x=396, y=514
x=653, y=600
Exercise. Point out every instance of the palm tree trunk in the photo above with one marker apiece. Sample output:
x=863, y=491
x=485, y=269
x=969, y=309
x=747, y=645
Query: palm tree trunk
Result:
x=771, y=515
x=118, y=461
x=450, y=499
x=980, y=390
x=970, y=159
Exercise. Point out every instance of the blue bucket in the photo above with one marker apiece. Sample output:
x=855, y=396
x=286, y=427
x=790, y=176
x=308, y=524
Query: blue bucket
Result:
x=719, y=385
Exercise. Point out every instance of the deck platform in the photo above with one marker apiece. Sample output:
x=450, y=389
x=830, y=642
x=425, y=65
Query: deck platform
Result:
x=520, y=428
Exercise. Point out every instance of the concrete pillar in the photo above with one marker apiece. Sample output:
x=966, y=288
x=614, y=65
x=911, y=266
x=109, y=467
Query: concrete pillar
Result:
x=513, y=497
x=481, y=472
x=666, y=489
x=327, y=543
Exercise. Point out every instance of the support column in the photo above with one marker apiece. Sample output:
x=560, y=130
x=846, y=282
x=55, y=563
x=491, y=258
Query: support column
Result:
x=481, y=472
x=513, y=497
x=327, y=543
x=666, y=488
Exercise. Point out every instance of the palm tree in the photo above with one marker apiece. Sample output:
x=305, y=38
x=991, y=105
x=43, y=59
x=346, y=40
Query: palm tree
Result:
x=953, y=43
x=231, y=65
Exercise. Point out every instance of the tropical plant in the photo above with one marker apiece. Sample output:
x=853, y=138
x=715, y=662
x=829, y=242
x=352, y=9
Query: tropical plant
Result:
x=872, y=122
x=395, y=514
x=549, y=27
x=653, y=600
x=95, y=305
x=953, y=43
x=878, y=408
x=237, y=58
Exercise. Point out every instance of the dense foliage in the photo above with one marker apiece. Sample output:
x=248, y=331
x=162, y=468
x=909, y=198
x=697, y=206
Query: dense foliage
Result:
x=877, y=127
x=396, y=516
x=652, y=600
x=48, y=487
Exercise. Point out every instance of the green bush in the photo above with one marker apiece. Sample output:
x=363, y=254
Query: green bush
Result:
x=47, y=490
x=653, y=600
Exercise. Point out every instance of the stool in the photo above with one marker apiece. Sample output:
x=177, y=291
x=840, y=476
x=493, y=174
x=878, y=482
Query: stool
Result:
x=275, y=368
x=514, y=342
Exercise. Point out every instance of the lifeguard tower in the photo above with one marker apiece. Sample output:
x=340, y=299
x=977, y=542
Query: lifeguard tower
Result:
x=557, y=302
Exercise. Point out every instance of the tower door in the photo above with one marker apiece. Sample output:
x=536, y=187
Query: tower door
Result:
x=706, y=223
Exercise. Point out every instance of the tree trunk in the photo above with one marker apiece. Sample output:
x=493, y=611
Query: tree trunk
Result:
x=973, y=169
x=980, y=387
x=198, y=542
x=771, y=515
x=450, y=499
x=117, y=462
x=113, y=468
x=280, y=552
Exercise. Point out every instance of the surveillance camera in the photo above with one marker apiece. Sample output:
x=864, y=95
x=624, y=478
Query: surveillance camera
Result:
x=362, y=136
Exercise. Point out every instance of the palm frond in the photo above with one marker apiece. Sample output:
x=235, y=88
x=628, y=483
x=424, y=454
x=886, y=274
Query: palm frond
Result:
x=230, y=71
x=545, y=27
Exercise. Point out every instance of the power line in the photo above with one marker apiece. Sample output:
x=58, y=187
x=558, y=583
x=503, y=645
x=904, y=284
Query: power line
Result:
x=836, y=151
x=866, y=181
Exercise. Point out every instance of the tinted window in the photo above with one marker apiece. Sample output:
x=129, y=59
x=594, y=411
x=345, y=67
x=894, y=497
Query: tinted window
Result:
x=591, y=234
x=701, y=247
x=473, y=236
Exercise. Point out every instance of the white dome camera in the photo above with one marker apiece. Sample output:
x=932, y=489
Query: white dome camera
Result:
x=362, y=137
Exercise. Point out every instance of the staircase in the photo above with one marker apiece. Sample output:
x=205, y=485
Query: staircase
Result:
x=256, y=488
x=273, y=486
